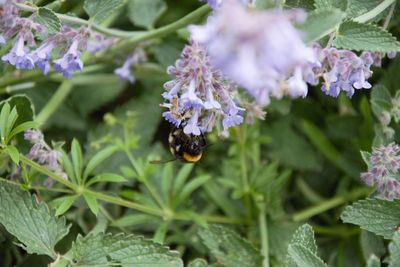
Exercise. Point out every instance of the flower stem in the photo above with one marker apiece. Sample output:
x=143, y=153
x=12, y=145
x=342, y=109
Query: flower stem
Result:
x=330, y=204
x=389, y=16
x=374, y=12
x=262, y=222
x=55, y=101
x=160, y=32
x=241, y=139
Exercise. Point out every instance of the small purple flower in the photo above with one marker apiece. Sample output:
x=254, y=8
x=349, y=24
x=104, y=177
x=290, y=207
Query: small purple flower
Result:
x=383, y=167
x=70, y=62
x=43, y=153
x=42, y=55
x=192, y=125
x=296, y=85
x=18, y=56
x=125, y=72
x=391, y=55
x=2, y=40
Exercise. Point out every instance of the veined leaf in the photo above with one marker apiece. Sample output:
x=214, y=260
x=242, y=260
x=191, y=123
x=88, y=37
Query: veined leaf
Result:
x=229, y=248
x=48, y=19
x=365, y=37
x=375, y=215
x=35, y=226
x=145, y=12
x=101, y=10
x=65, y=205
x=77, y=159
x=106, y=249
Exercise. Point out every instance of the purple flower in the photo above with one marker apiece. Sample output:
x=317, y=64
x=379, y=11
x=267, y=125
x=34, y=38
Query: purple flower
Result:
x=70, y=62
x=42, y=55
x=391, y=55
x=296, y=85
x=43, y=153
x=252, y=48
x=2, y=40
x=383, y=167
x=18, y=55
x=343, y=70
x=125, y=72
x=199, y=97
x=214, y=4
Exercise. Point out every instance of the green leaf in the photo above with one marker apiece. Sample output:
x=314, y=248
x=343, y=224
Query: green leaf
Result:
x=134, y=220
x=12, y=118
x=197, y=218
x=229, y=248
x=35, y=226
x=304, y=236
x=303, y=257
x=375, y=215
x=365, y=37
x=106, y=249
x=13, y=153
x=320, y=23
x=356, y=8
x=394, y=248
x=92, y=202
x=373, y=261
x=181, y=177
x=22, y=127
x=77, y=158
x=381, y=99
x=65, y=204
x=48, y=19
x=189, y=188
x=101, y=10
x=67, y=165
x=107, y=177
x=5, y=111
x=322, y=4
x=145, y=12
x=371, y=244
x=98, y=158
x=302, y=250
x=198, y=263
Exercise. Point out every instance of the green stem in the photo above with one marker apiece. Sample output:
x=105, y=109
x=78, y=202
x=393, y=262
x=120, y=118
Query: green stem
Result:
x=75, y=20
x=160, y=32
x=374, y=12
x=389, y=16
x=330, y=204
x=262, y=221
x=37, y=75
x=36, y=187
x=241, y=139
x=55, y=101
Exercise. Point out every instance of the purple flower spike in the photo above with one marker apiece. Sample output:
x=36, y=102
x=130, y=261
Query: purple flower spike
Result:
x=199, y=94
x=18, y=56
x=384, y=165
x=42, y=55
x=70, y=62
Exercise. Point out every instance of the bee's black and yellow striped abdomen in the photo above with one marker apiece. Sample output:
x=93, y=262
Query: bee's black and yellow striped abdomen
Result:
x=186, y=147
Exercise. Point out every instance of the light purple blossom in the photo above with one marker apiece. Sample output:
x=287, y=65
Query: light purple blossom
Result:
x=2, y=40
x=43, y=153
x=42, y=55
x=214, y=4
x=384, y=165
x=199, y=97
x=343, y=70
x=256, y=49
x=125, y=72
x=18, y=55
x=70, y=62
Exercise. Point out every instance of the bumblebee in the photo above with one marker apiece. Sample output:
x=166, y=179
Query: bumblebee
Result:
x=187, y=148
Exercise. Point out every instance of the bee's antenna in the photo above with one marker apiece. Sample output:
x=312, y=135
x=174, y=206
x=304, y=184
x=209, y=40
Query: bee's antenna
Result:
x=162, y=161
